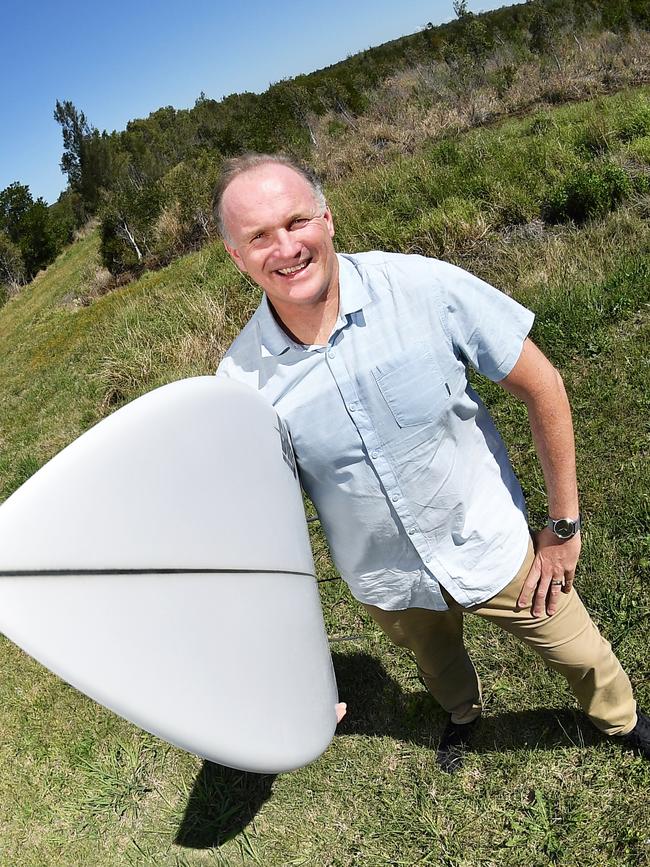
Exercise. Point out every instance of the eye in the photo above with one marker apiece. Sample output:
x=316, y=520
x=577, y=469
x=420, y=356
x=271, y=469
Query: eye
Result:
x=299, y=222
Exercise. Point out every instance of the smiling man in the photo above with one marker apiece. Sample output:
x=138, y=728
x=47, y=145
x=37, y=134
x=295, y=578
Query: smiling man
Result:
x=283, y=241
x=365, y=358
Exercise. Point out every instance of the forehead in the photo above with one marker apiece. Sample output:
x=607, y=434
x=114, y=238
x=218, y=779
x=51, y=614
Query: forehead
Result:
x=263, y=195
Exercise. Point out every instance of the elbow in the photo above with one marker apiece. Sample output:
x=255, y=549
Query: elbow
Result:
x=557, y=380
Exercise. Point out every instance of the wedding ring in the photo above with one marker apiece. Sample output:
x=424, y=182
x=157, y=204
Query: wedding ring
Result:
x=557, y=583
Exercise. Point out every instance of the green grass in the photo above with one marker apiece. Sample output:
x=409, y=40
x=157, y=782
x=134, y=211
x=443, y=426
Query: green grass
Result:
x=571, y=163
x=79, y=786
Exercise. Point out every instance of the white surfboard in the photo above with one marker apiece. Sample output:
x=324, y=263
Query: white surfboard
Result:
x=161, y=565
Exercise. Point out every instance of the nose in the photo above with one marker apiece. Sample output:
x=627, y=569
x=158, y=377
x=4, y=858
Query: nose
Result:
x=287, y=245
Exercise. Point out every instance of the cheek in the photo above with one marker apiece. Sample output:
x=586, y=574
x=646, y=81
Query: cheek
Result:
x=255, y=263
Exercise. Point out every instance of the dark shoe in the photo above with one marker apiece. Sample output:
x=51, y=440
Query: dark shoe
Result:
x=453, y=745
x=639, y=738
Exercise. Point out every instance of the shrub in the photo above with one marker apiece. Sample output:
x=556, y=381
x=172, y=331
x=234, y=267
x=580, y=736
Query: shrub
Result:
x=589, y=191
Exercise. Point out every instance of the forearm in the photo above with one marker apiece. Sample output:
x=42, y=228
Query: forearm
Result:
x=535, y=381
x=549, y=414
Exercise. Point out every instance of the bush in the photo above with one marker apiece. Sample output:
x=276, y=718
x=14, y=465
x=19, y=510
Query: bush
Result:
x=589, y=191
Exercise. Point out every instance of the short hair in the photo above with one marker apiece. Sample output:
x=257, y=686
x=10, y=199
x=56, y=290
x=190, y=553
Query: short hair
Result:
x=246, y=162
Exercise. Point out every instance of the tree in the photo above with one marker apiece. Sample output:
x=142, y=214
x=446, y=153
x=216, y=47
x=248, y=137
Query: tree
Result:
x=87, y=158
x=37, y=241
x=75, y=128
x=128, y=219
x=15, y=203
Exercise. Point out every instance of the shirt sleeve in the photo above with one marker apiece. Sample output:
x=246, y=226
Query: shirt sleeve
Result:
x=487, y=328
x=225, y=368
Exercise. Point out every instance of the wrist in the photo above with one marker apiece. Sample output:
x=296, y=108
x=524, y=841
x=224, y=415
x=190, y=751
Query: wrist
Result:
x=564, y=527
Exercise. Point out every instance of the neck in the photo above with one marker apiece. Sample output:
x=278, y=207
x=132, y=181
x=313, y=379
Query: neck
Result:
x=312, y=324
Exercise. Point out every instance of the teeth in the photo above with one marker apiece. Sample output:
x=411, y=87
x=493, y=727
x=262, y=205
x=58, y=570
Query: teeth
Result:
x=294, y=269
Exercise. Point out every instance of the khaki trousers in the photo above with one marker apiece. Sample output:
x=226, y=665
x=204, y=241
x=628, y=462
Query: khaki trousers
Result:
x=568, y=642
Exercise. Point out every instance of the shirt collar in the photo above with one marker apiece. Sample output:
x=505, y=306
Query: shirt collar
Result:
x=353, y=296
x=272, y=337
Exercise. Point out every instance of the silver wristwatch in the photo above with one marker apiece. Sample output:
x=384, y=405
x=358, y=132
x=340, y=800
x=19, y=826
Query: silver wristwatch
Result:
x=564, y=528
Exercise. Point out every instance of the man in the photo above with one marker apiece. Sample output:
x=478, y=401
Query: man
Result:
x=364, y=357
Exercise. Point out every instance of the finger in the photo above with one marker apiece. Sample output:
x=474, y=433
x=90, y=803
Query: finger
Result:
x=554, y=590
x=340, y=709
x=539, y=602
x=569, y=578
x=530, y=584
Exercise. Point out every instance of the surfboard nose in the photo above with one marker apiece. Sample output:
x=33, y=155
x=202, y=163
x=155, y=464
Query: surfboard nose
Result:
x=161, y=564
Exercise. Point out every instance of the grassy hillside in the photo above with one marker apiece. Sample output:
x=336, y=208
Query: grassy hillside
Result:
x=554, y=209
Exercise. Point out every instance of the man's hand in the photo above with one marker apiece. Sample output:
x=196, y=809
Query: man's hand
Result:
x=340, y=709
x=552, y=572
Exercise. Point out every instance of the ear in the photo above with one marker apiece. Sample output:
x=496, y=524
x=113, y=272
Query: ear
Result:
x=327, y=216
x=234, y=255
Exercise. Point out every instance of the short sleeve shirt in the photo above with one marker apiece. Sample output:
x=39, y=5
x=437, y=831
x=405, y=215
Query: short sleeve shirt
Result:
x=409, y=476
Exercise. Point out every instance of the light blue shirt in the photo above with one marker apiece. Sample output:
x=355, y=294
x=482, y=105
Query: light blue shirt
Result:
x=408, y=474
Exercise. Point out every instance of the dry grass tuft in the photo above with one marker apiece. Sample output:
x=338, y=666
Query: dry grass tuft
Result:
x=86, y=230
x=168, y=230
x=186, y=338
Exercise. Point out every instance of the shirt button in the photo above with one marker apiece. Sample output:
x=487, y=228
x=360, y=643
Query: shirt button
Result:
x=331, y=353
x=412, y=531
x=352, y=407
x=395, y=498
x=374, y=454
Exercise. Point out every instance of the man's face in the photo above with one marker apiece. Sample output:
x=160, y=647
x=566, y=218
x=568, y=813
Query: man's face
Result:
x=279, y=237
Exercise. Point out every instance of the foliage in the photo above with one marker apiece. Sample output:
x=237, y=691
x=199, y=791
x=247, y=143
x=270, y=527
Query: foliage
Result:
x=589, y=191
x=15, y=203
x=127, y=227
x=11, y=261
x=37, y=240
x=12, y=267
x=86, y=157
x=75, y=129
x=186, y=221
x=35, y=232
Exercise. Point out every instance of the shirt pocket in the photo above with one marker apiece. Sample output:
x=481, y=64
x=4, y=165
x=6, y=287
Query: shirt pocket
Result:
x=413, y=386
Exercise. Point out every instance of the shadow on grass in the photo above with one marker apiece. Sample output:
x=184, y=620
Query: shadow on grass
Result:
x=378, y=706
x=223, y=801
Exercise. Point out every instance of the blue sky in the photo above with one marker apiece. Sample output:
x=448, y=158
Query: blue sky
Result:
x=121, y=60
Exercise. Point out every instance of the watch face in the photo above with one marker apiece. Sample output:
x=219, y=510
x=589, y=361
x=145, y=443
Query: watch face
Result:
x=563, y=528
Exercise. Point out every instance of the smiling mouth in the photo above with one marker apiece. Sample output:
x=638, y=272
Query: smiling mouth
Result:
x=294, y=269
